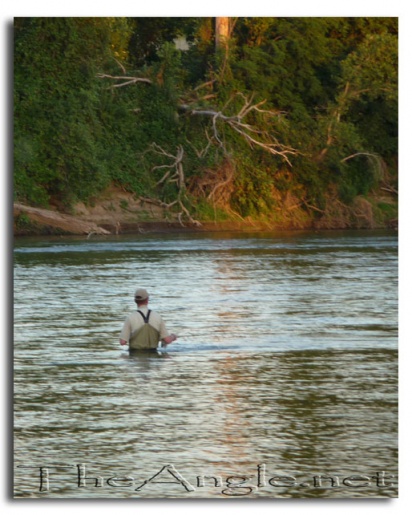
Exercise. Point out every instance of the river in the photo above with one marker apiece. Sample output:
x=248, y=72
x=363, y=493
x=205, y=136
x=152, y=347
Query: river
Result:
x=283, y=381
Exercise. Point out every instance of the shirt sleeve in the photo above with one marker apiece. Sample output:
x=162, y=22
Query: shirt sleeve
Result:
x=162, y=330
x=126, y=330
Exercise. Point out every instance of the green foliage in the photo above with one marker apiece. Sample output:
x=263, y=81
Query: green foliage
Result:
x=57, y=131
x=371, y=70
x=254, y=187
x=149, y=34
x=333, y=82
x=335, y=79
x=207, y=212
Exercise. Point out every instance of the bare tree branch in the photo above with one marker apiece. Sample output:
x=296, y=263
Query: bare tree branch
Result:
x=366, y=154
x=201, y=153
x=120, y=65
x=335, y=120
x=389, y=189
x=126, y=80
x=178, y=177
x=205, y=84
x=268, y=143
x=377, y=163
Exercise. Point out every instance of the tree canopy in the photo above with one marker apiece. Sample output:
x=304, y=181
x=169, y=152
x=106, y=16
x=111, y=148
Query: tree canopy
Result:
x=302, y=108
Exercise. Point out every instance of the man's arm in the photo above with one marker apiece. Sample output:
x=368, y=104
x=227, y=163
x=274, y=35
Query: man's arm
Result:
x=126, y=331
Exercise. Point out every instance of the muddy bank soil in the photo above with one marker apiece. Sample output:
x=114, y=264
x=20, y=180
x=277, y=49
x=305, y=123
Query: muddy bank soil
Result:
x=121, y=212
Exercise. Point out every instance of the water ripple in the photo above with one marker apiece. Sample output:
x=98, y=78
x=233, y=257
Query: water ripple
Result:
x=286, y=357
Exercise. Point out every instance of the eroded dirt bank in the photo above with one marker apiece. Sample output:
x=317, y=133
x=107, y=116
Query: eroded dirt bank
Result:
x=120, y=212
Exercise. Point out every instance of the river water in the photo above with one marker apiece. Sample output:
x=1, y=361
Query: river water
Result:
x=283, y=382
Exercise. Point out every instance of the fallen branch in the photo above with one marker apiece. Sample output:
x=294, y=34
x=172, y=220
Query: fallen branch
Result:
x=67, y=223
x=389, y=189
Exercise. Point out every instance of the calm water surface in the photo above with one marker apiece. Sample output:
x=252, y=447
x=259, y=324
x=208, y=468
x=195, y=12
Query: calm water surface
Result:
x=285, y=369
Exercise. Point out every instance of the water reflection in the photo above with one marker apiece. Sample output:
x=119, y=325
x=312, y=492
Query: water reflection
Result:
x=286, y=358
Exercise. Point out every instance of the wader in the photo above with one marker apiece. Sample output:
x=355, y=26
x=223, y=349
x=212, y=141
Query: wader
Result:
x=147, y=337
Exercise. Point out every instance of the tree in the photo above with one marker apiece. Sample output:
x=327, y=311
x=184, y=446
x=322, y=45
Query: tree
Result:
x=222, y=30
x=256, y=110
x=58, y=134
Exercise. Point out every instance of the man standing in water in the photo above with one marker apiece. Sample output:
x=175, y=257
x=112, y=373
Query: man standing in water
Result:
x=144, y=328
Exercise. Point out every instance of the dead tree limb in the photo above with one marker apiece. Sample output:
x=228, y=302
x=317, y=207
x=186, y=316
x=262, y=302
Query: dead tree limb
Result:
x=378, y=165
x=366, y=154
x=205, y=84
x=336, y=115
x=176, y=165
x=126, y=80
x=389, y=189
x=253, y=135
x=313, y=207
x=120, y=65
x=158, y=202
x=202, y=152
x=174, y=174
x=66, y=223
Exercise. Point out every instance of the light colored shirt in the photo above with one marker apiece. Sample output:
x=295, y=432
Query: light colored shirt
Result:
x=134, y=322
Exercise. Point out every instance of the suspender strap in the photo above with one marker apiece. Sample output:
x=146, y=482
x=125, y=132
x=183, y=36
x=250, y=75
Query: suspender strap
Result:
x=145, y=318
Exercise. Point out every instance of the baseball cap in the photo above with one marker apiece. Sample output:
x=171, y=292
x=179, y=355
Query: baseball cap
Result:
x=141, y=294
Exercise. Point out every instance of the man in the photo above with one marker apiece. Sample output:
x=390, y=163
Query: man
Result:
x=143, y=329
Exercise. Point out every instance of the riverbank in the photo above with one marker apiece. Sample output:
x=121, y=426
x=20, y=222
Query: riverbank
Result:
x=121, y=212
